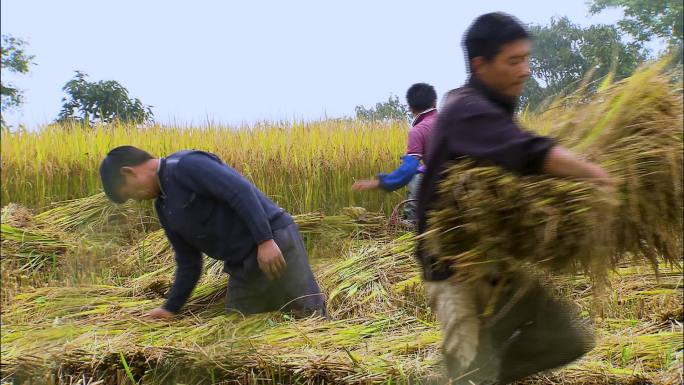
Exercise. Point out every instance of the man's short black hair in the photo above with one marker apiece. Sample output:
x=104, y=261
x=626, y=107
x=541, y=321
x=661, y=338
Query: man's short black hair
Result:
x=491, y=31
x=421, y=96
x=110, y=168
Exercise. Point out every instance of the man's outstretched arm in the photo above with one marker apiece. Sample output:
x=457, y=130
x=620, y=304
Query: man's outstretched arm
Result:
x=563, y=163
x=398, y=178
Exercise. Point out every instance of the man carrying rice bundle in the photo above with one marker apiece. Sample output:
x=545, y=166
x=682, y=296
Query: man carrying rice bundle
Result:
x=205, y=206
x=422, y=101
x=529, y=331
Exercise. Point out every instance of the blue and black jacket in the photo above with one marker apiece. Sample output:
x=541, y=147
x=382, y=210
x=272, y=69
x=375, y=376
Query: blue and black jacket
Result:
x=205, y=206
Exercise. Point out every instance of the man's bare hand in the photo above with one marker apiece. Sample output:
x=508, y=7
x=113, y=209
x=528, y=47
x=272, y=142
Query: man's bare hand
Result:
x=561, y=162
x=365, y=184
x=160, y=313
x=270, y=259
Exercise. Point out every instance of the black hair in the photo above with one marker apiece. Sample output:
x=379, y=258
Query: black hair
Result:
x=421, y=96
x=489, y=32
x=110, y=168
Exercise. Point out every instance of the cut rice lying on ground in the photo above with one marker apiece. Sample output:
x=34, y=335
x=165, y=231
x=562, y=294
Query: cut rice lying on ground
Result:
x=84, y=331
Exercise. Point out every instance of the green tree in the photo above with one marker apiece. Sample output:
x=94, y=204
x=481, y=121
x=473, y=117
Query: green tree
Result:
x=648, y=19
x=13, y=59
x=103, y=101
x=564, y=53
x=391, y=109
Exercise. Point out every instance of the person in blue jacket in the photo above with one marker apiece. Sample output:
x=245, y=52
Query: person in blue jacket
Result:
x=205, y=206
x=422, y=100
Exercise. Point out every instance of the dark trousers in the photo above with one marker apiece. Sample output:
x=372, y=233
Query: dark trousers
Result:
x=296, y=290
x=412, y=196
x=528, y=330
x=540, y=332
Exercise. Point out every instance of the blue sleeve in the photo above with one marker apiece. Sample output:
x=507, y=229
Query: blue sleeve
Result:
x=188, y=270
x=211, y=177
x=402, y=175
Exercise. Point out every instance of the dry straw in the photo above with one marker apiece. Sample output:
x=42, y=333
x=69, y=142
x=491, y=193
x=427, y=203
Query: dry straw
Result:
x=488, y=219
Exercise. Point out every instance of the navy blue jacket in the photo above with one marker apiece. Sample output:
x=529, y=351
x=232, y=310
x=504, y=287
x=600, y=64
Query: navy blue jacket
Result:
x=205, y=206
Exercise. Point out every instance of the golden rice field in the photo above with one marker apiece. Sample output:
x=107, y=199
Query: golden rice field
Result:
x=79, y=273
x=303, y=166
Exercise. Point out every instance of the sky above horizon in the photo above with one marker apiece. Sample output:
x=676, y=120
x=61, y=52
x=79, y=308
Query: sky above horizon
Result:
x=243, y=62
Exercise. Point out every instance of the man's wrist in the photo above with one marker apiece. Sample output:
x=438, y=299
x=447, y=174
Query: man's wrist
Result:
x=172, y=310
x=265, y=242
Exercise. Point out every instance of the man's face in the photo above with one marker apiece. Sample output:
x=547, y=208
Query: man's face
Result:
x=139, y=184
x=507, y=72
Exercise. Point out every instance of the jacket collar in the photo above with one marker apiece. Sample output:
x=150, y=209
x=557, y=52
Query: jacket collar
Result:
x=420, y=117
x=505, y=102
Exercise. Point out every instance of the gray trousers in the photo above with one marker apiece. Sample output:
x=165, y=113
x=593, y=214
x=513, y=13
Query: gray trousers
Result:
x=296, y=291
x=499, y=338
x=410, y=207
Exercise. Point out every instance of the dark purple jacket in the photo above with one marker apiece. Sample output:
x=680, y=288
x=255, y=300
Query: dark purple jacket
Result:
x=475, y=124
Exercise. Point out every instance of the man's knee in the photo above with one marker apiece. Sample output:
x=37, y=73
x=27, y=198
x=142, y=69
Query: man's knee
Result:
x=540, y=349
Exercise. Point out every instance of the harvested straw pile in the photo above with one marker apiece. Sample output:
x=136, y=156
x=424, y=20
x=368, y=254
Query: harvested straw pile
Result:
x=95, y=332
x=154, y=252
x=150, y=260
x=62, y=333
x=96, y=215
x=487, y=217
x=17, y=216
x=355, y=222
x=635, y=293
x=375, y=277
x=98, y=324
x=27, y=249
x=30, y=243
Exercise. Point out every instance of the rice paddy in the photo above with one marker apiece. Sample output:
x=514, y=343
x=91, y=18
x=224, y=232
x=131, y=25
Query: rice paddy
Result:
x=79, y=274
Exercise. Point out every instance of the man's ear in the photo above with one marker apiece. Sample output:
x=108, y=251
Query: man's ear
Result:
x=478, y=65
x=127, y=171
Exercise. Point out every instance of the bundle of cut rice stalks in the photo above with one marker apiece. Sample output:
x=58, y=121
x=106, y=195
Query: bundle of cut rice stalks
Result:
x=78, y=334
x=85, y=331
x=153, y=252
x=29, y=249
x=645, y=354
x=97, y=215
x=28, y=254
x=487, y=218
x=375, y=277
x=636, y=295
x=33, y=243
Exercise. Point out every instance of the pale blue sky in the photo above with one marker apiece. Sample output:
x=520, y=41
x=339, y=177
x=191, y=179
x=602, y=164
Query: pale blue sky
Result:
x=246, y=61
